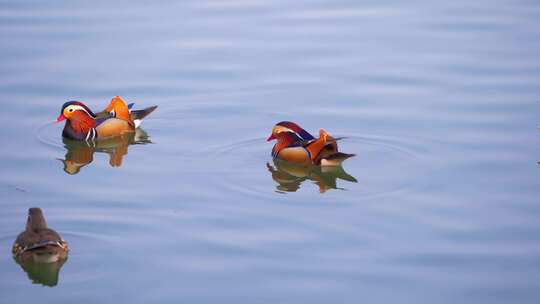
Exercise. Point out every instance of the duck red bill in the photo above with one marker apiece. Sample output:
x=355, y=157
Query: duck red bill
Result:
x=60, y=118
x=270, y=137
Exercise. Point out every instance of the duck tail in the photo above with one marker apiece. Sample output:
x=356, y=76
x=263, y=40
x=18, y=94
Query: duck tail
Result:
x=138, y=115
x=335, y=159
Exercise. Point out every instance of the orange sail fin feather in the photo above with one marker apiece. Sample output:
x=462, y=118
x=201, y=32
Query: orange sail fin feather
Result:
x=296, y=145
x=317, y=145
x=118, y=108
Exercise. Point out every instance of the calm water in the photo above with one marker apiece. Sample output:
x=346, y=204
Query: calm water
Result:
x=440, y=102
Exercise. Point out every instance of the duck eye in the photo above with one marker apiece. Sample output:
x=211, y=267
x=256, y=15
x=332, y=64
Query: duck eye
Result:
x=70, y=110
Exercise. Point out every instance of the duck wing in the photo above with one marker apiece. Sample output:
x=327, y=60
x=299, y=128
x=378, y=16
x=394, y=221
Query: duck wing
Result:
x=113, y=127
x=28, y=240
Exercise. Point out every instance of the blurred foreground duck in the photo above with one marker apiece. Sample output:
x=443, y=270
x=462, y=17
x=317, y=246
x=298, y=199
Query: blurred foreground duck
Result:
x=296, y=145
x=40, y=251
x=37, y=243
x=116, y=119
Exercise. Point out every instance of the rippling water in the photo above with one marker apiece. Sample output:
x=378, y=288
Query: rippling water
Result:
x=439, y=101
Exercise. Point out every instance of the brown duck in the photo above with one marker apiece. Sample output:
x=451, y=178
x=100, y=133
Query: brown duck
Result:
x=38, y=243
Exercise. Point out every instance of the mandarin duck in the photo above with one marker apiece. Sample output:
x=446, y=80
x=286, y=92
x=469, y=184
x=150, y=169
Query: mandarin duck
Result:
x=115, y=119
x=38, y=243
x=297, y=145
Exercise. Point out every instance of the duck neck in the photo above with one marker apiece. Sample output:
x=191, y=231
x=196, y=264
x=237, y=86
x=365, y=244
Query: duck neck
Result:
x=81, y=123
x=283, y=141
x=36, y=220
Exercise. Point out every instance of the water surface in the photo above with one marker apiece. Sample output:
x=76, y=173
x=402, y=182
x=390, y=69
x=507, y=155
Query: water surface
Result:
x=440, y=102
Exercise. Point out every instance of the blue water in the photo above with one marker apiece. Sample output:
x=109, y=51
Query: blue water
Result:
x=439, y=102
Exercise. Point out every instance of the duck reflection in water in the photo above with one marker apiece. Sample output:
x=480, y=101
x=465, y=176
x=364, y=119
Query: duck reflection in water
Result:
x=39, y=250
x=42, y=273
x=290, y=176
x=81, y=153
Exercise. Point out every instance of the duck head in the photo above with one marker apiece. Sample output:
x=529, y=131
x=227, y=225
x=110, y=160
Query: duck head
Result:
x=288, y=127
x=79, y=120
x=74, y=110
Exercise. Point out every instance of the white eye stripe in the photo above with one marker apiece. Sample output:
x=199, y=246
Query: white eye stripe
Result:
x=279, y=129
x=75, y=107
